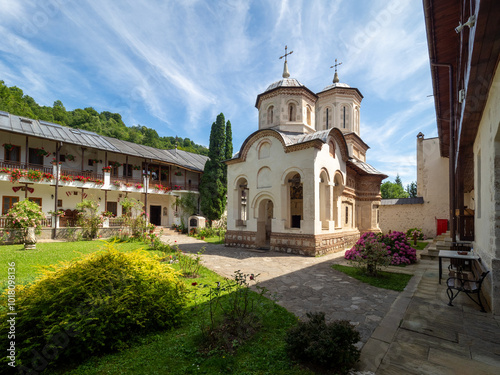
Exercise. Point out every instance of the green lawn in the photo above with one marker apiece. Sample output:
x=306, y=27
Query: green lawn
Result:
x=386, y=280
x=214, y=239
x=174, y=351
x=48, y=253
x=420, y=245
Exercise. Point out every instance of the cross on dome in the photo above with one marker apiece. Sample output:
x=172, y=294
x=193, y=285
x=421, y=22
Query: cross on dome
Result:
x=286, y=74
x=336, y=77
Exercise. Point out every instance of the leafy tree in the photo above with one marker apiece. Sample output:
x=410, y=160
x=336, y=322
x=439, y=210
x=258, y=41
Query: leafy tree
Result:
x=411, y=189
x=391, y=190
x=397, y=181
x=229, y=141
x=213, y=187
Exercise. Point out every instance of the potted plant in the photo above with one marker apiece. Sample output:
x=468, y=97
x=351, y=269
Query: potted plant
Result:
x=8, y=146
x=136, y=168
x=107, y=169
x=42, y=152
x=70, y=157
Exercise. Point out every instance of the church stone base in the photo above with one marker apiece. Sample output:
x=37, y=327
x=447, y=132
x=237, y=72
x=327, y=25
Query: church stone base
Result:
x=236, y=238
x=301, y=244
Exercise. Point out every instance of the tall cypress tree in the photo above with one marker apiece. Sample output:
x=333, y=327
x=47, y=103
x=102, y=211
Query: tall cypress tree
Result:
x=229, y=141
x=213, y=187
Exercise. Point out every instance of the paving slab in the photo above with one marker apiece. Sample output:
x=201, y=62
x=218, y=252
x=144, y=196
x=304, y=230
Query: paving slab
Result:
x=412, y=332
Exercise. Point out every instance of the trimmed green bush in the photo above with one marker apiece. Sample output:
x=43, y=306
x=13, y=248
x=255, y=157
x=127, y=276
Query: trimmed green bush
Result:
x=94, y=305
x=330, y=346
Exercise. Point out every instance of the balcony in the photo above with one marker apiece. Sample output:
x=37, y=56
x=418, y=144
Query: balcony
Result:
x=69, y=176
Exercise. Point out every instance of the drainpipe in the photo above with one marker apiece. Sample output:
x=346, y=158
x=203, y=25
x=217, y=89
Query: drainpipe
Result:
x=452, y=151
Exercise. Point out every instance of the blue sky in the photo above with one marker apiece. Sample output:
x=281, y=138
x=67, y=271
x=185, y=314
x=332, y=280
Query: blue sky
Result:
x=174, y=65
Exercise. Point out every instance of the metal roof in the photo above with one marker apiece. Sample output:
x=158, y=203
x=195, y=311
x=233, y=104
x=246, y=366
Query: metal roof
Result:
x=365, y=167
x=56, y=132
x=285, y=82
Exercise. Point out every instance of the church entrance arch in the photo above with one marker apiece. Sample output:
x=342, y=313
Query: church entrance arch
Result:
x=264, y=224
x=337, y=194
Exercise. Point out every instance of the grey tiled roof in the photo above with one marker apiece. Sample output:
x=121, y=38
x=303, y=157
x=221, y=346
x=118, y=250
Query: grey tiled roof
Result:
x=392, y=202
x=56, y=132
x=365, y=167
x=285, y=82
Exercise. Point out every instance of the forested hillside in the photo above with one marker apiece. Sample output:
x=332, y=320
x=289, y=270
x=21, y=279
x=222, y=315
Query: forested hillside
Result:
x=13, y=100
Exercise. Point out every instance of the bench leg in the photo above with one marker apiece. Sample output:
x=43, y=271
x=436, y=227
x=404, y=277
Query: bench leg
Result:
x=478, y=302
x=451, y=295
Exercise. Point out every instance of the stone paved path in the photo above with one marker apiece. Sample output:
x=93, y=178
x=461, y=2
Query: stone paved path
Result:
x=412, y=332
x=301, y=284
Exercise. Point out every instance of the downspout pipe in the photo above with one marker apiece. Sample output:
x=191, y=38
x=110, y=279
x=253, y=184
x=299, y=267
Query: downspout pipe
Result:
x=452, y=150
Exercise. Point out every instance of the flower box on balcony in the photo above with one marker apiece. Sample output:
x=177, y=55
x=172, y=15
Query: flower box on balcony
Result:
x=65, y=178
x=139, y=186
x=81, y=179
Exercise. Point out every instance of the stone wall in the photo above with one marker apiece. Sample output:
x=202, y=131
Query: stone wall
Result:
x=300, y=244
x=401, y=217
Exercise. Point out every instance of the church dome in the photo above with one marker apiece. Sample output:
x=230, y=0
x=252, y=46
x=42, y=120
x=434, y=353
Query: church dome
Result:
x=337, y=84
x=285, y=82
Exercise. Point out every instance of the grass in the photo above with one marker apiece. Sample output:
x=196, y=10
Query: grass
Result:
x=49, y=253
x=214, y=240
x=174, y=351
x=420, y=245
x=386, y=280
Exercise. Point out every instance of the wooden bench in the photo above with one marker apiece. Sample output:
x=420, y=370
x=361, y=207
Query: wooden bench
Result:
x=469, y=282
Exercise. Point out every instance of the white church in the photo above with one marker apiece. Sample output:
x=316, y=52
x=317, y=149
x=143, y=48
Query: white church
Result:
x=300, y=184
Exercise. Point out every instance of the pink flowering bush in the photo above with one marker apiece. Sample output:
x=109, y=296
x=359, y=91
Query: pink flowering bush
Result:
x=396, y=246
x=370, y=254
x=22, y=215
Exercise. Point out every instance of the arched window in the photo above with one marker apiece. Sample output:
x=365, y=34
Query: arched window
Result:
x=308, y=115
x=295, y=203
x=326, y=117
x=241, y=214
x=291, y=112
x=270, y=115
x=344, y=117
x=356, y=120
x=325, y=199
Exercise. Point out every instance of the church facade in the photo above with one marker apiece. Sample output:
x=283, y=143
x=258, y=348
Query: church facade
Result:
x=300, y=184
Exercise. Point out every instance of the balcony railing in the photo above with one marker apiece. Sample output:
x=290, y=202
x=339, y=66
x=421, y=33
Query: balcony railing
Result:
x=465, y=228
x=190, y=187
x=19, y=165
x=99, y=176
x=87, y=174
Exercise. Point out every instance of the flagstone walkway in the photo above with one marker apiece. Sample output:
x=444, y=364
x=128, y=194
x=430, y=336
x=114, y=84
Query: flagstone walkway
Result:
x=412, y=332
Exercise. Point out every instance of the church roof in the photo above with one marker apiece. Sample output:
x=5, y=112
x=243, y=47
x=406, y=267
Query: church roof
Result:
x=285, y=82
x=338, y=84
x=364, y=168
x=296, y=138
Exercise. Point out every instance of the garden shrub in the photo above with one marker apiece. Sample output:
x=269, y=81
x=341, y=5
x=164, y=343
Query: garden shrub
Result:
x=419, y=234
x=21, y=216
x=370, y=254
x=396, y=243
x=399, y=248
x=328, y=345
x=94, y=305
x=88, y=218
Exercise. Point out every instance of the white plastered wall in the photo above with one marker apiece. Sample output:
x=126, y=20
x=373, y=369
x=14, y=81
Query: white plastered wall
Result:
x=487, y=193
